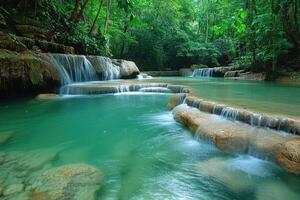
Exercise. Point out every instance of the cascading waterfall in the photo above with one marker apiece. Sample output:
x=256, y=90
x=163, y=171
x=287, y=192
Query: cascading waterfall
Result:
x=74, y=68
x=203, y=73
x=110, y=71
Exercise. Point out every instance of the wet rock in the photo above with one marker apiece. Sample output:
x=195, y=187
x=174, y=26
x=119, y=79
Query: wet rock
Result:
x=178, y=89
x=46, y=96
x=249, y=76
x=104, y=67
x=241, y=138
x=217, y=169
x=143, y=76
x=176, y=100
x=289, y=156
x=156, y=90
x=31, y=31
x=11, y=42
x=53, y=47
x=78, y=182
x=5, y=137
x=12, y=189
x=128, y=69
x=26, y=73
x=235, y=73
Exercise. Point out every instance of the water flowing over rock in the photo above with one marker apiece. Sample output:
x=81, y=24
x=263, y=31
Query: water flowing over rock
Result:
x=242, y=138
x=120, y=87
x=203, y=73
x=249, y=117
x=74, y=68
x=77, y=181
x=105, y=68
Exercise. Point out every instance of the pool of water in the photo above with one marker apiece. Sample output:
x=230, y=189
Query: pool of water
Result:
x=141, y=151
x=270, y=97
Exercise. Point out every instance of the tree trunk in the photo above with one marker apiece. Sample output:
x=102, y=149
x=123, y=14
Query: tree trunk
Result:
x=81, y=10
x=96, y=18
x=75, y=11
x=108, y=6
x=207, y=24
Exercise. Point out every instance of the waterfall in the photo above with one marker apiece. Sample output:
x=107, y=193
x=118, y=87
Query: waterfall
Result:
x=203, y=73
x=74, y=68
x=109, y=70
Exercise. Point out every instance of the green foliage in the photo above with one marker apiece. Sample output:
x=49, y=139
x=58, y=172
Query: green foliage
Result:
x=175, y=33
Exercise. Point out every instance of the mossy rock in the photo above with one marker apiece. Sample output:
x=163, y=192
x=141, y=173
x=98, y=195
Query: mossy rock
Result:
x=26, y=73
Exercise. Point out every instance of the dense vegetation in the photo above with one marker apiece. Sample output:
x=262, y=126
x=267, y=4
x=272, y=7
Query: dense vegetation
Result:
x=262, y=35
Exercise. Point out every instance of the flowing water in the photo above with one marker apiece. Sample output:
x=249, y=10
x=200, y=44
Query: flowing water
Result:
x=269, y=97
x=203, y=73
x=142, y=152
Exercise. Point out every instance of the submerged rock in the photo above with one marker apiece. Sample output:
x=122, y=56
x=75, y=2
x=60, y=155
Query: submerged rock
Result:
x=233, y=179
x=46, y=96
x=5, y=137
x=76, y=182
x=13, y=189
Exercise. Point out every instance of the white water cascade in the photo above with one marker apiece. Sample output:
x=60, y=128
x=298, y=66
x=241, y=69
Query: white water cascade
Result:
x=203, y=73
x=74, y=68
x=110, y=71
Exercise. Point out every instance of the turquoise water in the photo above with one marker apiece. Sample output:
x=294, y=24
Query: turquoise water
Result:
x=142, y=152
x=270, y=97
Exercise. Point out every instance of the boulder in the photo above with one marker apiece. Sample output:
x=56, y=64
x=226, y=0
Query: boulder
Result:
x=77, y=181
x=26, y=73
x=128, y=69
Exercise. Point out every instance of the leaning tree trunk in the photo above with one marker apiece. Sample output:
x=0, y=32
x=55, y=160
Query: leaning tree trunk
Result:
x=108, y=6
x=96, y=18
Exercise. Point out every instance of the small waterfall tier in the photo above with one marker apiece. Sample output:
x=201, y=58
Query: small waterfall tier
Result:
x=203, y=73
x=280, y=123
x=74, y=68
x=79, y=68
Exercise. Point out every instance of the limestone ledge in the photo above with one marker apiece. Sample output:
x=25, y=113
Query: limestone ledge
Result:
x=255, y=119
x=230, y=136
x=124, y=86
